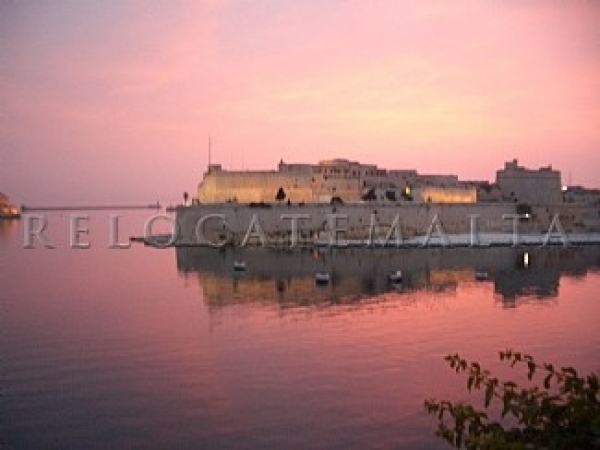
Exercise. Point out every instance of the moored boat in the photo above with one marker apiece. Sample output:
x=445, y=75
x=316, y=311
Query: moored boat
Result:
x=239, y=266
x=322, y=278
x=395, y=277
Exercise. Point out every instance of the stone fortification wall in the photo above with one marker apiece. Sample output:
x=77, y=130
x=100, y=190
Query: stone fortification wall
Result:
x=415, y=220
x=342, y=179
x=575, y=218
x=247, y=187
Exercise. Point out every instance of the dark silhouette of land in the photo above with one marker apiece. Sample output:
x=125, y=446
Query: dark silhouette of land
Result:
x=25, y=208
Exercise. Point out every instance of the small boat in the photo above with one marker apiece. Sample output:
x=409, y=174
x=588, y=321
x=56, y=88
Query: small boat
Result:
x=395, y=277
x=481, y=275
x=239, y=266
x=322, y=278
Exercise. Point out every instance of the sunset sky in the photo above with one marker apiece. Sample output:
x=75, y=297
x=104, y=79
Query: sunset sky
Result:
x=113, y=101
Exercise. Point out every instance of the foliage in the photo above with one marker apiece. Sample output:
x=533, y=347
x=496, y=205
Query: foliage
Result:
x=280, y=195
x=337, y=201
x=564, y=413
x=370, y=195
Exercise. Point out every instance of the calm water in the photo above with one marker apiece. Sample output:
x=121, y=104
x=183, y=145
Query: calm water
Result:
x=147, y=348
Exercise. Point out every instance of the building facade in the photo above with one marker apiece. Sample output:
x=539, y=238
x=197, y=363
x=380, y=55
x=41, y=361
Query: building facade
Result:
x=332, y=180
x=521, y=185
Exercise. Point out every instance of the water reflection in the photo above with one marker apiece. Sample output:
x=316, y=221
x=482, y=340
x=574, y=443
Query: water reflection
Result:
x=7, y=228
x=288, y=277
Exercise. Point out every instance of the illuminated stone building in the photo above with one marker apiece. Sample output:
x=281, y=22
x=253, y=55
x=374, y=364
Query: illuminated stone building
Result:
x=329, y=181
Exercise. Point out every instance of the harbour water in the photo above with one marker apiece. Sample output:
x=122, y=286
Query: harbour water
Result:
x=150, y=348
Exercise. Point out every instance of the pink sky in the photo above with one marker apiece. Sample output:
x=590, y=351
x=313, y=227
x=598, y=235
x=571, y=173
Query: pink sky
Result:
x=114, y=101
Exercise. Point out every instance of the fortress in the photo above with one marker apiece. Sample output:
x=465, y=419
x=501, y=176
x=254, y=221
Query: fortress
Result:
x=366, y=196
x=344, y=181
x=338, y=180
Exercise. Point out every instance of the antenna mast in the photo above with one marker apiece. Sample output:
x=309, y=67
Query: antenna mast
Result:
x=209, y=150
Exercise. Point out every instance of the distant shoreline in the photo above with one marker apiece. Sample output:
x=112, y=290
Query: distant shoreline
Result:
x=26, y=208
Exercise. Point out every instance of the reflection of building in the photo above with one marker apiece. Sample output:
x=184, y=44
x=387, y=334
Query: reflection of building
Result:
x=287, y=278
x=7, y=210
x=347, y=181
x=541, y=279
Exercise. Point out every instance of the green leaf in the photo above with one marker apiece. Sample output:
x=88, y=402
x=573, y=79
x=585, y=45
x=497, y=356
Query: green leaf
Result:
x=538, y=417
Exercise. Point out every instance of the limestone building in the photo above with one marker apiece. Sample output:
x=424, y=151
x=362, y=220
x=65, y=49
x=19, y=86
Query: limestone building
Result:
x=518, y=184
x=328, y=181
